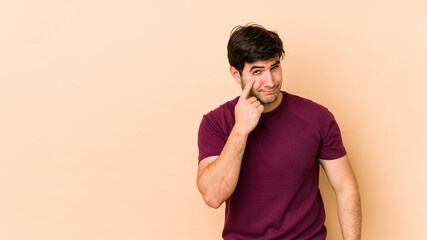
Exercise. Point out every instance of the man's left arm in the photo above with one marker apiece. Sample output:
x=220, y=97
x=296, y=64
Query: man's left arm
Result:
x=344, y=183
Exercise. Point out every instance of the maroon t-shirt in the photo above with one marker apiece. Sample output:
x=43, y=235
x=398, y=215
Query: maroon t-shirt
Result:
x=277, y=195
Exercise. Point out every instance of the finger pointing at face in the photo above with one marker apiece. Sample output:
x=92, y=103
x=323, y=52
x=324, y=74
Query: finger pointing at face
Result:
x=247, y=89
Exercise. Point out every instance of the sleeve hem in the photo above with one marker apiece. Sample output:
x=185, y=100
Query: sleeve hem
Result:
x=333, y=157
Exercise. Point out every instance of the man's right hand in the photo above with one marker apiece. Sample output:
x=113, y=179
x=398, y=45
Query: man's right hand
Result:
x=247, y=111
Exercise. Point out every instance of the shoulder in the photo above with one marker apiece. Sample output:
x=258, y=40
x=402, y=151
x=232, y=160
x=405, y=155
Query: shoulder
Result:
x=306, y=108
x=221, y=119
x=313, y=113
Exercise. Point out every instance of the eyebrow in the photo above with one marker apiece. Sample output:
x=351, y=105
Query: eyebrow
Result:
x=261, y=67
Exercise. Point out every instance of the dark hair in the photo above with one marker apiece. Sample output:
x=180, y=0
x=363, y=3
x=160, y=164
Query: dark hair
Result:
x=251, y=43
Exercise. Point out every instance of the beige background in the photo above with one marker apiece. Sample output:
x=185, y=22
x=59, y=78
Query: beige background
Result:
x=100, y=103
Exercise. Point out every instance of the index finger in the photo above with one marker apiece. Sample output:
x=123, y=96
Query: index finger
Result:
x=247, y=89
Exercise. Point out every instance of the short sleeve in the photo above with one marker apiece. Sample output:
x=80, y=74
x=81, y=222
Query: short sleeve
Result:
x=210, y=139
x=331, y=146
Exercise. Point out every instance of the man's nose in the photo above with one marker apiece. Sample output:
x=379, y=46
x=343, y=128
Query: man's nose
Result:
x=268, y=81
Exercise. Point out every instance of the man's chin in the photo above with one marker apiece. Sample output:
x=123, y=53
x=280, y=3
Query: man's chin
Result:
x=268, y=99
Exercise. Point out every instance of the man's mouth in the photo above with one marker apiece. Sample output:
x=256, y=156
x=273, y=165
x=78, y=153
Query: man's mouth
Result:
x=269, y=91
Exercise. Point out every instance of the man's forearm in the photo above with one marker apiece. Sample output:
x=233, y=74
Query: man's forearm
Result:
x=350, y=214
x=218, y=180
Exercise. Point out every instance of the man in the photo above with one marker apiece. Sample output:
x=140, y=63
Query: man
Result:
x=260, y=152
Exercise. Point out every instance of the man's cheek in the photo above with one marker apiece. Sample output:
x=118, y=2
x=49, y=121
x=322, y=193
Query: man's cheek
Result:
x=257, y=85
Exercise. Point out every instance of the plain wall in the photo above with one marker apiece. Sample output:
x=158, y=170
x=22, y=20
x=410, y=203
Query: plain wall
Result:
x=100, y=103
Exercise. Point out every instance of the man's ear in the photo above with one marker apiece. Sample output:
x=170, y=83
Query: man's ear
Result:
x=236, y=74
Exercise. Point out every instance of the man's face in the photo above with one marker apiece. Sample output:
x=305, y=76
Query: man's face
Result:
x=268, y=79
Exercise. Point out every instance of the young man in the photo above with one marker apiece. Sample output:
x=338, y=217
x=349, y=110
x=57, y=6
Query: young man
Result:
x=260, y=152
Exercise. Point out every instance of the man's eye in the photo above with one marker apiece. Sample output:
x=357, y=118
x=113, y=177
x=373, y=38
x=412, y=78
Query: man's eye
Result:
x=274, y=67
x=256, y=72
